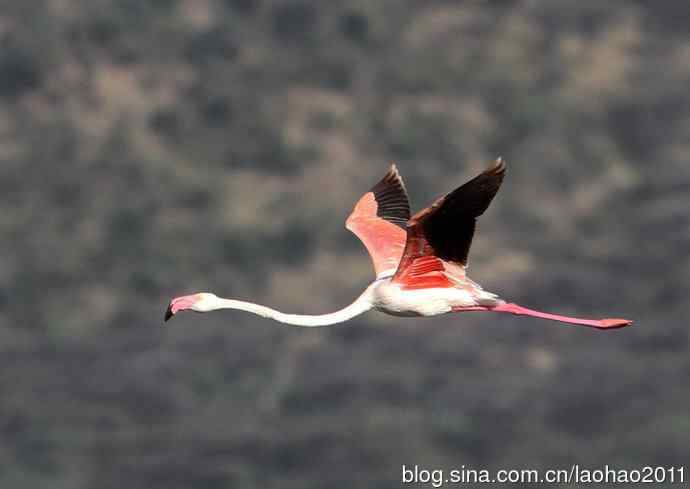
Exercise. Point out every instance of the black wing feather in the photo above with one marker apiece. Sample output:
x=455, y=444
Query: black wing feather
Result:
x=449, y=226
x=391, y=197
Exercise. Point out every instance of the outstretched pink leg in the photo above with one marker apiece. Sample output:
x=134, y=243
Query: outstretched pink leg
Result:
x=523, y=311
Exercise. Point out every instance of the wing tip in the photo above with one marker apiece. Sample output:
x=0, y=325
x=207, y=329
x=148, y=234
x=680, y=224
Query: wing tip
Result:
x=392, y=178
x=394, y=175
x=498, y=166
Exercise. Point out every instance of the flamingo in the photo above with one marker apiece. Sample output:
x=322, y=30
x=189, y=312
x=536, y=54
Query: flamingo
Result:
x=420, y=261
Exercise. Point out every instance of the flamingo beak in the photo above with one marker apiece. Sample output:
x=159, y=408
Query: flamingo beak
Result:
x=180, y=304
x=168, y=313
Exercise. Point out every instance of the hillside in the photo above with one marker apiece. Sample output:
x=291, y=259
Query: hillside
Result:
x=150, y=149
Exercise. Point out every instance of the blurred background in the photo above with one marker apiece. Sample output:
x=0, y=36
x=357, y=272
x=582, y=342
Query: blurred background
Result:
x=155, y=148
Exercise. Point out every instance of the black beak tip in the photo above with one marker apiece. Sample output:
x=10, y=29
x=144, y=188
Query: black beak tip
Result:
x=168, y=313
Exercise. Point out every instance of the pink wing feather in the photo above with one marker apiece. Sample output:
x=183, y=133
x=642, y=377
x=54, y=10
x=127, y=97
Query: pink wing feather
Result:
x=379, y=220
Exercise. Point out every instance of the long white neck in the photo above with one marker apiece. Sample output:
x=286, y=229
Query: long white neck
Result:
x=360, y=305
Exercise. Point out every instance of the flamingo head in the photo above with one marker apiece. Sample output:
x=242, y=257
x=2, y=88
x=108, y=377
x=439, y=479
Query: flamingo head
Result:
x=199, y=302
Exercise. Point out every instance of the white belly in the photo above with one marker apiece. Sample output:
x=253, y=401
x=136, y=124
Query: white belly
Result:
x=391, y=299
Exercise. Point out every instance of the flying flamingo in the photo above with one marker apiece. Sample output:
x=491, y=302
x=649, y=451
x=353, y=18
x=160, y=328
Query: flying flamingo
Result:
x=420, y=261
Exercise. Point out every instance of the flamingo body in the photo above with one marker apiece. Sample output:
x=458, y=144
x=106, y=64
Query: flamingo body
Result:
x=395, y=299
x=420, y=261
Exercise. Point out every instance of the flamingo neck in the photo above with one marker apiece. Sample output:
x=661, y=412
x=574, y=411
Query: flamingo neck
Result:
x=359, y=306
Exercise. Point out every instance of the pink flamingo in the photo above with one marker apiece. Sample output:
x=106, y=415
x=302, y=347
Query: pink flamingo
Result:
x=420, y=261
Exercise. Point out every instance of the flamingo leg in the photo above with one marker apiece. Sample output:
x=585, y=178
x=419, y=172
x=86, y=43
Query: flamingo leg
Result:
x=523, y=311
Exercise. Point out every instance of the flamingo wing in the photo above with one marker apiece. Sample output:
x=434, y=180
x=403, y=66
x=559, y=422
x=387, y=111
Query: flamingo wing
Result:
x=439, y=237
x=379, y=220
